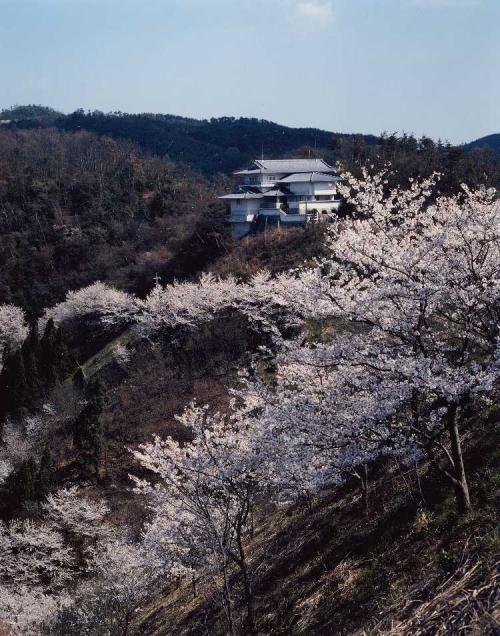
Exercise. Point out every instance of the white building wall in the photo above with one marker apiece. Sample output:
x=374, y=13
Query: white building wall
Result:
x=244, y=206
x=323, y=187
x=264, y=180
x=299, y=188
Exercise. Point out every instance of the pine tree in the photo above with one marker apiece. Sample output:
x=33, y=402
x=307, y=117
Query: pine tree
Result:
x=30, y=353
x=54, y=359
x=47, y=364
x=79, y=379
x=45, y=479
x=23, y=485
x=87, y=431
x=62, y=358
x=15, y=387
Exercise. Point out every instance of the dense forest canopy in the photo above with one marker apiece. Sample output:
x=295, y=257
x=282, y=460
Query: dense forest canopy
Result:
x=75, y=208
x=94, y=196
x=35, y=113
x=209, y=146
x=226, y=144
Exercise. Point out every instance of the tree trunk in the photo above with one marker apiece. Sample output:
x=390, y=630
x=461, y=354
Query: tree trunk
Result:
x=127, y=623
x=247, y=586
x=193, y=586
x=226, y=599
x=364, y=486
x=460, y=482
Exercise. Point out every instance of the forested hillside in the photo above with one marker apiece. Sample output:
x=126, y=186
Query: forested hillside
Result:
x=296, y=433
x=225, y=144
x=208, y=146
x=75, y=208
x=312, y=449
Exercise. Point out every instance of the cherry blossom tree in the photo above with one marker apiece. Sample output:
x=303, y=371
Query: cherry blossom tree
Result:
x=263, y=300
x=204, y=500
x=33, y=554
x=411, y=290
x=121, y=576
x=109, y=305
x=6, y=469
x=29, y=612
x=24, y=440
x=70, y=511
x=79, y=518
x=40, y=560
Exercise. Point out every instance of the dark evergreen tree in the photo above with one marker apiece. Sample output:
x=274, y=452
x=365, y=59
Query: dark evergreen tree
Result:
x=31, y=354
x=45, y=480
x=79, y=379
x=87, y=430
x=23, y=482
x=14, y=382
x=54, y=359
x=63, y=362
x=47, y=361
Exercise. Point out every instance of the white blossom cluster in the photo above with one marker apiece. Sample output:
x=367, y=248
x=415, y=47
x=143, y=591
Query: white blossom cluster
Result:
x=71, y=563
x=13, y=329
x=263, y=299
x=411, y=294
x=23, y=439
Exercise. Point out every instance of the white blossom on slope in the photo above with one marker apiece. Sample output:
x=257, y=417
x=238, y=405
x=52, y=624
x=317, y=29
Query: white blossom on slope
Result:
x=109, y=305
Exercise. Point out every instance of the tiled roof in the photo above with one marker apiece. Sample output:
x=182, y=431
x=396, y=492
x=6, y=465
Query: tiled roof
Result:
x=275, y=192
x=308, y=176
x=288, y=166
x=243, y=195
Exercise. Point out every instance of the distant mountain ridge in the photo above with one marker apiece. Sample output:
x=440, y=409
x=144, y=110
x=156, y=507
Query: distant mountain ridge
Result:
x=490, y=141
x=209, y=146
x=217, y=145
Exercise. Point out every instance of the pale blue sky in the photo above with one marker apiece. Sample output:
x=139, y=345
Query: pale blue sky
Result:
x=422, y=66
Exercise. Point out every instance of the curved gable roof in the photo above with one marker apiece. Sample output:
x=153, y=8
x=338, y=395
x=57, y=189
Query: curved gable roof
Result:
x=289, y=166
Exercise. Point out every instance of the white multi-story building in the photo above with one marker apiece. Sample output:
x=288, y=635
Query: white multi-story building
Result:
x=284, y=192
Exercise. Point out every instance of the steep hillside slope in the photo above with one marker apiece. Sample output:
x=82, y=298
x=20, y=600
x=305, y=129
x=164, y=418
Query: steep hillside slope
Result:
x=405, y=566
x=75, y=208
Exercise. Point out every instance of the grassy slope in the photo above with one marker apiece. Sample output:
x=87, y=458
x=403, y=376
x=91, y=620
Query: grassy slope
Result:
x=408, y=567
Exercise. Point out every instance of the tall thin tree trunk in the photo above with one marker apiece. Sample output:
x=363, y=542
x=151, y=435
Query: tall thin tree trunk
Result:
x=227, y=602
x=193, y=585
x=460, y=483
x=127, y=623
x=364, y=482
x=247, y=586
